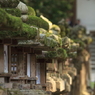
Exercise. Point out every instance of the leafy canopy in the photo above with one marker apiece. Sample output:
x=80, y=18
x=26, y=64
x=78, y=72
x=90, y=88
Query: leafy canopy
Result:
x=54, y=10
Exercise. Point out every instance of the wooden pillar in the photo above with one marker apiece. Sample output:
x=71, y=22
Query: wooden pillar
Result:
x=33, y=65
x=9, y=59
x=38, y=73
x=1, y=58
x=21, y=64
x=60, y=67
x=55, y=64
x=43, y=73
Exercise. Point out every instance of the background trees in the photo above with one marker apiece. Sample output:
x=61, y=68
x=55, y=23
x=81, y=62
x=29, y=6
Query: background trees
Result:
x=54, y=10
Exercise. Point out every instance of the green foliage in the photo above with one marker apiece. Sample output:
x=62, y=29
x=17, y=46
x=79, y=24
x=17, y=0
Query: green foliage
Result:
x=62, y=33
x=9, y=3
x=54, y=10
x=13, y=11
x=37, y=21
x=31, y=11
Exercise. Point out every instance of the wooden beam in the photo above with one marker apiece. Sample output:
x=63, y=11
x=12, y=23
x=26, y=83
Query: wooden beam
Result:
x=9, y=58
x=20, y=49
x=14, y=42
x=43, y=73
x=27, y=49
x=38, y=51
x=32, y=50
x=1, y=58
x=44, y=48
x=1, y=41
x=7, y=41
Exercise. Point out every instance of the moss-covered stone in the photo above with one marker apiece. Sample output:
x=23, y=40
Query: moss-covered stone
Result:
x=59, y=53
x=37, y=21
x=31, y=11
x=22, y=7
x=62, y=53
x=72, y=54
x=50, y=40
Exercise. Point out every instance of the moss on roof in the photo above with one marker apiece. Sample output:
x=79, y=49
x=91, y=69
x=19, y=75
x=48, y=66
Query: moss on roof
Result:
x=14, y=22
x=3, y=17
x=30, y=32
x=37, y=21
x=13, y=26
x=13, y=11
x=31, y=11
x=7, y=20
x=26, y=31
x=59, y=53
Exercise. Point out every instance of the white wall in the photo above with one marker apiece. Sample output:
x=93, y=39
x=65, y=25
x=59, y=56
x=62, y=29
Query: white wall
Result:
x=86, y=13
